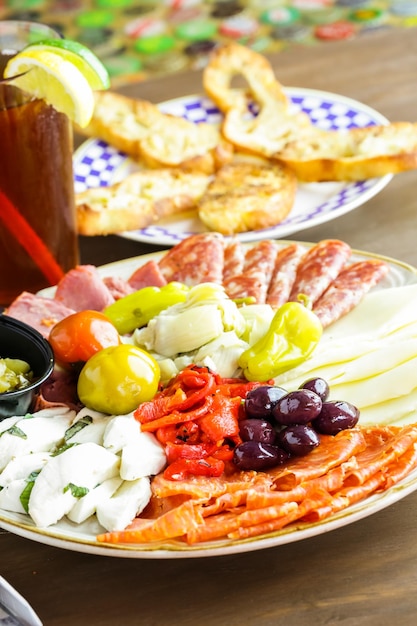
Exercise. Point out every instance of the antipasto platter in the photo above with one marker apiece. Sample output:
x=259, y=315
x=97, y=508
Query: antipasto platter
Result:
x=83, y=537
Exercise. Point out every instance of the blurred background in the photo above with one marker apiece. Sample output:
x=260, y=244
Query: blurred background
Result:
x=141, y=39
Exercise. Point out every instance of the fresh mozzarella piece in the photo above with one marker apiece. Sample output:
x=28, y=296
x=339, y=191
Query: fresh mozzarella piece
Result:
x=85, y=432
x=120, y=431
x=22, y=466
x=93, y=433
x=86, y=412
x=143, y=456
x=10, y=496
x=40, y=433
x=128, y=502
x=87, y=505
x=7, y=423
x=85, y=466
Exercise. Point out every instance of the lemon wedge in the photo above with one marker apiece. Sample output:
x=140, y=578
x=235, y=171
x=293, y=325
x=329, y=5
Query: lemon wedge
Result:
x=46, y=74
x=79, y=55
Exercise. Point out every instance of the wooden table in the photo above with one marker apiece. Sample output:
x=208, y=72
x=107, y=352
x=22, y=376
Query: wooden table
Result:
x=362, y=574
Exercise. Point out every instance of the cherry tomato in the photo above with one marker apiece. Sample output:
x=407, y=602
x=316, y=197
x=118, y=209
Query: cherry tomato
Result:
x=80, y=335
x=117, y=379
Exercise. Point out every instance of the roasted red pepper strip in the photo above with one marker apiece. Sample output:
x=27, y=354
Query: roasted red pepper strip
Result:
x=176, y=417
x=181, y=469
x=233, y=387
x=222, y=420
x=176, y=451
x=187, y=432
x=190, y=387
x=158, y=407
x=196, y=418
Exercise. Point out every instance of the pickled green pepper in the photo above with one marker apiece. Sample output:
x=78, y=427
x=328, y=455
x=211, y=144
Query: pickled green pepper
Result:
x=293, y=334
x=137, y=309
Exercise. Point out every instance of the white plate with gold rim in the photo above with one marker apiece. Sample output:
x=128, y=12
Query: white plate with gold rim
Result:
x=82, y=538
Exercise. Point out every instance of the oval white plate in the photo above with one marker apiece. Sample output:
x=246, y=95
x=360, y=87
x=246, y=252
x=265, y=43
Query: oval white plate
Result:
x=81, y=538
x=98, y=164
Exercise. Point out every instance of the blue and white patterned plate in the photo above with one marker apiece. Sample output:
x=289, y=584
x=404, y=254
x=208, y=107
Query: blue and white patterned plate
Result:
x=98, y=164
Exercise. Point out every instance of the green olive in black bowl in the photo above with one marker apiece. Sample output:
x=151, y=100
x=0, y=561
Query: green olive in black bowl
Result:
x=21, y=342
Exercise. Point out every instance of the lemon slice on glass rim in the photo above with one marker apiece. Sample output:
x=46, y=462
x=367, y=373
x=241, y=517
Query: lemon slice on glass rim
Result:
x=63, y=73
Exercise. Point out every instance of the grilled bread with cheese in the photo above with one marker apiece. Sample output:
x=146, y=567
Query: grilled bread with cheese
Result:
x=279, y=133
x=246, y=196
x=155, y=139
x=141, y=199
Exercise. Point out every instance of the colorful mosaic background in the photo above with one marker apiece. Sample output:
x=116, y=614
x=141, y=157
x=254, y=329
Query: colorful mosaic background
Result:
x=140, y=39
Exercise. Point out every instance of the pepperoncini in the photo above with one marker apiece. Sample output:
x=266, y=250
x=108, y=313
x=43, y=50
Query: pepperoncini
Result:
x=137, y=309
x=293, y=334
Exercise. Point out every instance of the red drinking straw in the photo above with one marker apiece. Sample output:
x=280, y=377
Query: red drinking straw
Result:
x=29, y=240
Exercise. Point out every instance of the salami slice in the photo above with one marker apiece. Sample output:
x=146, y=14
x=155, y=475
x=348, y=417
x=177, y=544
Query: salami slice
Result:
x=196, y=259
x=348, y=289
x=234, y=256
x=247, y=285
x=283, y=275
x=257, y=271
x=261, y=257
x=319, y=267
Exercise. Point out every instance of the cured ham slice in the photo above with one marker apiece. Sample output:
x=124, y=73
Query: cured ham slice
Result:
x=348, y=289
x=117, y=286
x=83, y=288
x=39, y=312
x=319, y=267
x=148, y=275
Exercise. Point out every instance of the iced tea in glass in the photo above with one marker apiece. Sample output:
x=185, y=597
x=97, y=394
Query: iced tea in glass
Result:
x=38, y=238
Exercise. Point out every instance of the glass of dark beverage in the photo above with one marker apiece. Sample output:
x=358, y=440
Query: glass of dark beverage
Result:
x=38, y=236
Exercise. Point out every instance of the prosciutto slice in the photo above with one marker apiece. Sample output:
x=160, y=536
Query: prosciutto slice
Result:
x=241, y=505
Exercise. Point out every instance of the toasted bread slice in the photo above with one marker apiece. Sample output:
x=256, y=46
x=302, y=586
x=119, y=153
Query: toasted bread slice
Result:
x=142, y=131
x=279, y=133
x=352, y=155
x=247, y=196
x=139, y=200
x=231, y=60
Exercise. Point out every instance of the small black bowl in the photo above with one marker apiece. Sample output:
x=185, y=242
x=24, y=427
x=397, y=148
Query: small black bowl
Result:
x=21, y=341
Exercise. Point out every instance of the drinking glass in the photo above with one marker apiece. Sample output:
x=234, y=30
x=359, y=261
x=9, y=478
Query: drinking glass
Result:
x=38, y=236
